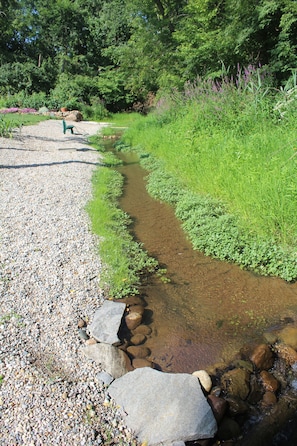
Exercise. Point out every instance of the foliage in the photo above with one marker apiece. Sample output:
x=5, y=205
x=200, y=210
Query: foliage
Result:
x=6, y=128
x=25, y=77
x=12, y=121
x=227, y=140
x=23, y=100
x=124, y=259
x=96, y=110
x=112, y=87
x=72, y=92
x=127, y=49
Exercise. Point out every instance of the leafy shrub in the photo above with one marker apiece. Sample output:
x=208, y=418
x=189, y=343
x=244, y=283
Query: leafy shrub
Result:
x=35, y=100
x=24, y=100
x=73, y=91
x=112, y=88
x=25, y=77
x=95, y=111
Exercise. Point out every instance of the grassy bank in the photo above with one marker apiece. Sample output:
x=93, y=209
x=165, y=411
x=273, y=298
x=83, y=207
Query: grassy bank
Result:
x=11, y=121
x=124, y=260
x=225, y=156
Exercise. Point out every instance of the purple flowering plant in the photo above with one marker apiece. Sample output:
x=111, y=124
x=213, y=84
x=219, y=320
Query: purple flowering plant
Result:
x=17, y=110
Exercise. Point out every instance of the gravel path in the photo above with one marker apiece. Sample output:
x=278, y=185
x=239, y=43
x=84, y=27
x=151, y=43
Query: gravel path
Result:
x=49, y=268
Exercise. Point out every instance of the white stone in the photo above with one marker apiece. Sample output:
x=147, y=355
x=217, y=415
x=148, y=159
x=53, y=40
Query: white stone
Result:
x=204, y=378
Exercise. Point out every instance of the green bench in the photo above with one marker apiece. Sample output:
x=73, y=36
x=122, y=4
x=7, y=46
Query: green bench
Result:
x=67, y=127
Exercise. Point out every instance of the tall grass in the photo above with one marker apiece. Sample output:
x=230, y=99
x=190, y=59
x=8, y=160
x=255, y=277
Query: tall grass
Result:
x=226, y=140
x=12, y=121
x=231, y=142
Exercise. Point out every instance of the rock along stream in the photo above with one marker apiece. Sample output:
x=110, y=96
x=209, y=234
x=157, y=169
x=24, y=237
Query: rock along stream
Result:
x=209, y=309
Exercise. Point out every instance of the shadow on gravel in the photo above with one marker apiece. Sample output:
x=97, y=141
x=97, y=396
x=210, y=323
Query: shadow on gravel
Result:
x=22, y=166
x=76, y=137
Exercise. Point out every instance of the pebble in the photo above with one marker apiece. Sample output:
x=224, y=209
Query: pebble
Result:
x=82, y=334
x=49, y=277
x=81, y=323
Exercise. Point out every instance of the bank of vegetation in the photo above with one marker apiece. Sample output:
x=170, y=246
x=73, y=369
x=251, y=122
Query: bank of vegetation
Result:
x=224, y=154
x=124, y=261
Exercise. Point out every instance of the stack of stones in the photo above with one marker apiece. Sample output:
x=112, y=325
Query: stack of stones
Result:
x=115, y=339
x=137, y=333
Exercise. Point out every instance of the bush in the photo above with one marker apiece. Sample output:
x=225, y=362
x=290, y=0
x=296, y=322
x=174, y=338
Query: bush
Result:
x=95, y=111
x=73, y=92
x=23, y=100
x=25, y=77
x=112, y=87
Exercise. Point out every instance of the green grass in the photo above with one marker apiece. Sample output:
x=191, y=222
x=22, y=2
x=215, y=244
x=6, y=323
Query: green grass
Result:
x=12, y=121
x=122, y=119
x=124, y=260
x=24, y=119
x=233, y=157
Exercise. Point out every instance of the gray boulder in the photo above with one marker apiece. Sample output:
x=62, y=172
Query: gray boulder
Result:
x=74, y=115
x=163, y=407
x=111, y=359
x=107, y=321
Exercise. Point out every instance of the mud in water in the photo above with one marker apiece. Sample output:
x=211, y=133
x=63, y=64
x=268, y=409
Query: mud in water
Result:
x=210, y=309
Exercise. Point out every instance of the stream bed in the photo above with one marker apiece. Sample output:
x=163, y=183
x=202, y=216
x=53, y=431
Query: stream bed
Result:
x=204, y=310
x=207, y=314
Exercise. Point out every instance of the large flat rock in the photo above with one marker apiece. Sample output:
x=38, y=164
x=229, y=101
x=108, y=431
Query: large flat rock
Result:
x=163, y=407
x=106, y=322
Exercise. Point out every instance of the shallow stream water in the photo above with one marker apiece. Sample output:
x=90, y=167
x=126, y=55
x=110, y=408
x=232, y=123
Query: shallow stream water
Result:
x=209, y=309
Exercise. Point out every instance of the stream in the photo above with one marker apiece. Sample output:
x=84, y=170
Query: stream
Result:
x=210, y=309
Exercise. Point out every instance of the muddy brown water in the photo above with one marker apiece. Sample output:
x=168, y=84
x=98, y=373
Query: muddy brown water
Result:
x=210, y=309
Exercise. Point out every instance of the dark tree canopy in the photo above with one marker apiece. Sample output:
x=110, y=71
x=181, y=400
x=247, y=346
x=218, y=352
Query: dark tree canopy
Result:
x=128, y=48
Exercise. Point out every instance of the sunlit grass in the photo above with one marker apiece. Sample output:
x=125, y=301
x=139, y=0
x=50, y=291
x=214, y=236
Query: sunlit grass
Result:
x=234, y=147
x=251, y=170
x=17, y=119
x=123, y=119
x=124, y=260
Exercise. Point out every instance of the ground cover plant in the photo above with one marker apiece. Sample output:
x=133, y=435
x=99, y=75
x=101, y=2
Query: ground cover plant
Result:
x=226, y=155
x=11, y=120
x=124, y=260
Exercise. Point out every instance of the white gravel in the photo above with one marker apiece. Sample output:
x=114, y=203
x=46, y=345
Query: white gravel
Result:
x=49, y=270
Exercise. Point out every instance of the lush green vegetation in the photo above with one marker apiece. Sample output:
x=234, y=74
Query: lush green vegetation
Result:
x=13, y=121
x=124, y=260
x=227, y=134
x=226, y=159
x=118, y=54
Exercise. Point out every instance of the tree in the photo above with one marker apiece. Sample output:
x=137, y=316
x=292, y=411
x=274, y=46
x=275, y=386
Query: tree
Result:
x=8, y=33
